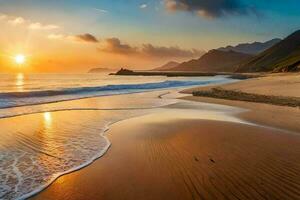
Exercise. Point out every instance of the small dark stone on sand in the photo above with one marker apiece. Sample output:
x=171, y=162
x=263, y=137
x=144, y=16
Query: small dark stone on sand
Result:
x=211, y=160
x=196, y=159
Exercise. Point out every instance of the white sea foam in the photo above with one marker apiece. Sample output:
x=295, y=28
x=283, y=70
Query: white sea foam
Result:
x=57, y=175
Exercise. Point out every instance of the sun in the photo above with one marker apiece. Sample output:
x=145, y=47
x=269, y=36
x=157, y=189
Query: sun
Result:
x=20, y=59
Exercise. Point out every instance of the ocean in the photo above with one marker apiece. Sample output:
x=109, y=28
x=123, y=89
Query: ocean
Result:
x=30, y=89
x=53, y=124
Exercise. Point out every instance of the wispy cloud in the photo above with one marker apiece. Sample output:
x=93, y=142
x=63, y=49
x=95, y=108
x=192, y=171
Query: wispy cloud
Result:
x=17, y=21
x=115, y=46
x=87, y=38
x=56, y=36
x=39, y=26
x=171, y=52
x=101, y=10
x=143, y=6
x=2, y=16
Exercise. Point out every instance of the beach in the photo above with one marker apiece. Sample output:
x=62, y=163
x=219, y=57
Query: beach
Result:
x=157, y=157
x=180, y=153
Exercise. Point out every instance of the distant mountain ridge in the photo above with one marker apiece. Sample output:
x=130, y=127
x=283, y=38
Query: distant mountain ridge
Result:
x=283, y=56
x=214, y=61
x=275, y=55
x=99, y=70
x=252, y=48
x=167, y=66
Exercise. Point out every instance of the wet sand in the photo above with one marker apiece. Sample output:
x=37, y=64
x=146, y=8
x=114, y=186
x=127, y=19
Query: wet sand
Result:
x=164, y=157
x=281, y=117
x=284, y=86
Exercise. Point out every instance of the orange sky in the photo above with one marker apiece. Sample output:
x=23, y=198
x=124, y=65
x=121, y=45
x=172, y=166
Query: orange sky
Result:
x=74, y=36
x=48, y=50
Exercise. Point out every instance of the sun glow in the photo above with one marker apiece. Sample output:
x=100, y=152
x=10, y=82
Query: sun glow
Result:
x=20, y=59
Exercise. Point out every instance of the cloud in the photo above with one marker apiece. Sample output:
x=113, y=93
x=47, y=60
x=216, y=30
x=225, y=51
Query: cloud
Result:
x=2, y=17
x=17, y=21
x=13, y=20
x=39, y=26
x=209, y=8
x=172, y=52
x=88, y=38
x=101, y=10
x=143, y=6
x=56, y=36
x=114, y=45
x=173, y=5
x=84, y=38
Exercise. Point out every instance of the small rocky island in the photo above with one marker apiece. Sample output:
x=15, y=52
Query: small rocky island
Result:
x=124, y=71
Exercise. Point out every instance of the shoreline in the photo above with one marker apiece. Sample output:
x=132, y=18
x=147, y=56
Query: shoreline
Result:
x=240, y=76
x=82, y=166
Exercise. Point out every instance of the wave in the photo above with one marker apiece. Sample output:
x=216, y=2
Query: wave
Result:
x=37, y=97
x=106, y=88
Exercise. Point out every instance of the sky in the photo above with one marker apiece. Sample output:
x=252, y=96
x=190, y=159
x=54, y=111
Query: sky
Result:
x=75, y=35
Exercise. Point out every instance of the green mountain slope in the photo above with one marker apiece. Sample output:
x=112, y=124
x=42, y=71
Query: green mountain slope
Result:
x=284, y=56
x=214, y=61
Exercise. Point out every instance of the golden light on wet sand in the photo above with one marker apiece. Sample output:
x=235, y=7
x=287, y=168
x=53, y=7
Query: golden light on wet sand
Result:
x=47, y=120
x=47, y=116
x=20, y=59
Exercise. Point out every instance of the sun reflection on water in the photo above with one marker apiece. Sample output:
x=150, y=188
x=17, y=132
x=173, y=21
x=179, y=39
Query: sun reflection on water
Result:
x=20, y=82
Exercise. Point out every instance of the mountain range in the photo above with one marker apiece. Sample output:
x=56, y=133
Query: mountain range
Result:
x=99, y=70
x=275, y=55
x=251, y=48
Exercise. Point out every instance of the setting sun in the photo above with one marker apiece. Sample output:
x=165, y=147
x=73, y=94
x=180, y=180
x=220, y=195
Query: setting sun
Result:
x=20, y=59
